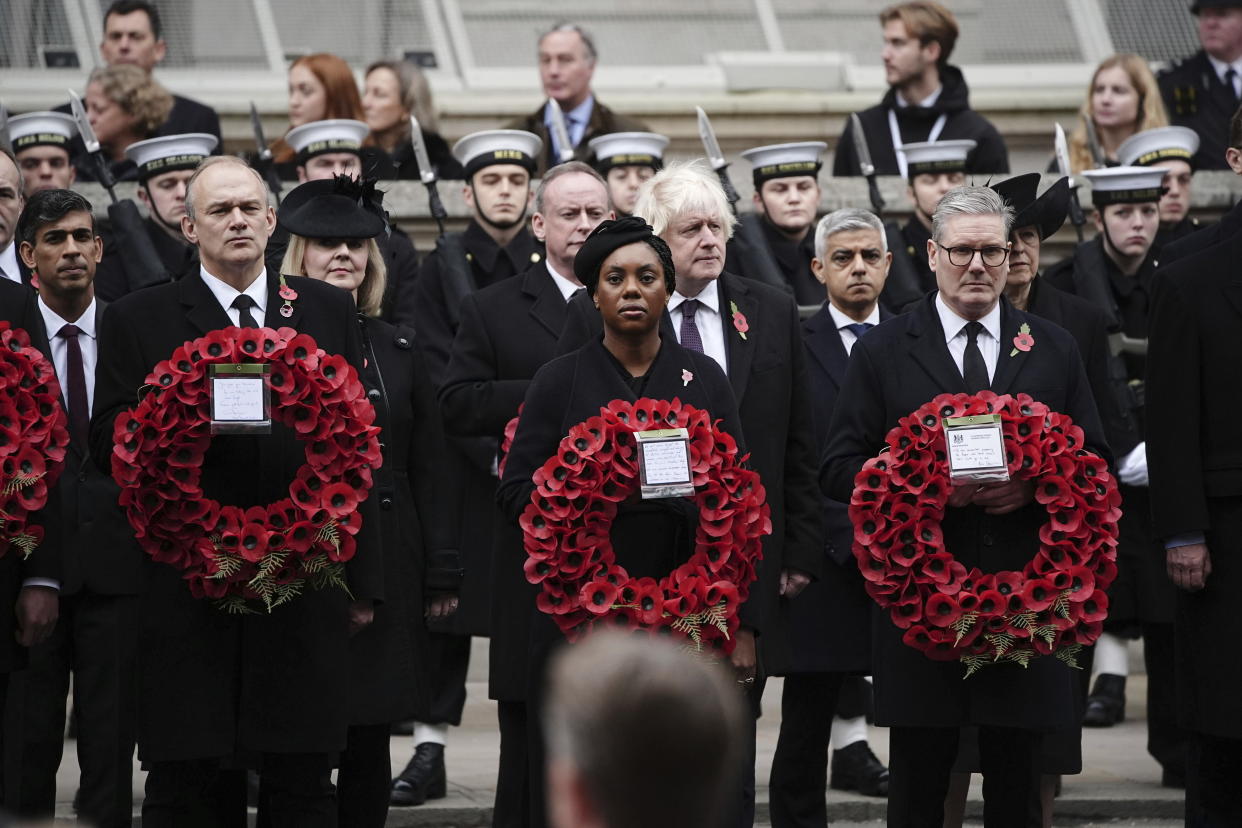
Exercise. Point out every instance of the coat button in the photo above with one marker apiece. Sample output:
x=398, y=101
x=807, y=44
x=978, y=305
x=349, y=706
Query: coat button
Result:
x=987, y=539
x=403, y=342
x=374, y=394
x=386, y=503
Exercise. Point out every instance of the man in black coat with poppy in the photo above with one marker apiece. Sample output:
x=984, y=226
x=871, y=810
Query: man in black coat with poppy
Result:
x=219, y=691
x=965, y=330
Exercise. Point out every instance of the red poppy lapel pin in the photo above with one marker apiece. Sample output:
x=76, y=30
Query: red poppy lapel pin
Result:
x=739, y=320
x=1023, y=341
x=288, y=294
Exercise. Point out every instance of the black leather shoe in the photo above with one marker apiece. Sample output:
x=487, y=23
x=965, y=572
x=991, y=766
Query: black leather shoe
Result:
x=856, y=768
x=1106, y=706
x=422, y=779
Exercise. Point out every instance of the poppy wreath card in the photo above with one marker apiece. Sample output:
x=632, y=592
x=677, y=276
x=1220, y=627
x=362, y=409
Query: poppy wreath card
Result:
x=262, y=556
x=577, y=495
x=1055, y=606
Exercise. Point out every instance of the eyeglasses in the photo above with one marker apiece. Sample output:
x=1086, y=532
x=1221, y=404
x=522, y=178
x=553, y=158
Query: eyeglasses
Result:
x=961, y=256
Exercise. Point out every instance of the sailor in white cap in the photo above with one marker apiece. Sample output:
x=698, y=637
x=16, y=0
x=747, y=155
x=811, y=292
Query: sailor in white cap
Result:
x=328, y=148
x=626, y=160
x=1114, y=271
x=1173, y=150
x=775, y=243
x=41, y=143
x=932, y=169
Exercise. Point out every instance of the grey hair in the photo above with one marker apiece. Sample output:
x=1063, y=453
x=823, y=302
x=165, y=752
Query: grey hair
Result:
x=588, y=42
x=683, y=187
x=970, y=201
x=211, y=161
x=567, y=168
x=844, y=221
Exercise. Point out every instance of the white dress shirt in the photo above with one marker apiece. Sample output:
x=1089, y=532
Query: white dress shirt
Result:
x=848, y=338
x=955, y=335
x=226, y=293
x=8, y=263
x=88, y=343
x=567, y=287
x=707, y=320
x=1221, y=68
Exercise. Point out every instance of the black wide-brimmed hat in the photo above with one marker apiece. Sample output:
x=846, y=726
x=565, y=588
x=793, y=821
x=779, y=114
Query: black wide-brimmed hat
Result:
x=333, y=208
x=1047, y=212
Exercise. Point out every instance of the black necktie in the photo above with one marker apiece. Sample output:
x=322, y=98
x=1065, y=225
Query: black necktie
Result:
x=244, y=303
x=75, y=393
x=1231, y=81
x=974, y=369
x=690, y=337
x=859, y=328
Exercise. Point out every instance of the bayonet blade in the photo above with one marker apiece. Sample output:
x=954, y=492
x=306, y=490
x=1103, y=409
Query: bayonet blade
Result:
x=84, y=125
x=565, y=150
x=1093, y=141
x=710, y=145
x=426, y=173
x=865, y=167
x=256, y=124
x=1061, y=148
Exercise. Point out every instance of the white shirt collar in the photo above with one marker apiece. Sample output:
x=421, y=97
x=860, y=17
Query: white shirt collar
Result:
x=709, y=297
x=8, y=262
x=226, y=293
x=928, y=101
x=841, y=320
x=565, y=286
x=1221, y=67
x=52, y=321
x=953, y=323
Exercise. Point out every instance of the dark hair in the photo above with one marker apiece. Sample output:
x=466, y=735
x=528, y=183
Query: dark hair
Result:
x=591, y=282
x=927, y=20
x=48, y=206
x=131, y=6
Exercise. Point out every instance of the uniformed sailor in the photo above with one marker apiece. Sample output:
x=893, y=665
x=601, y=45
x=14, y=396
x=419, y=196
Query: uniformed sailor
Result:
x=626, y=160
x=1172, y=149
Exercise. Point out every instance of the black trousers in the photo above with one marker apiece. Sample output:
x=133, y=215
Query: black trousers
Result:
x=295, y=791
x=1166, y=740
x=921, y=759
x=739, y=811
x=798, y=785
x=364, y=777
x=513, y=783
x=448, y=661
x=1213, y=795
x=95, y=640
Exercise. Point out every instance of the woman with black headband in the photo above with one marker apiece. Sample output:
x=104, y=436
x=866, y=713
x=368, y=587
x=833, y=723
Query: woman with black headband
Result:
x=332, y=230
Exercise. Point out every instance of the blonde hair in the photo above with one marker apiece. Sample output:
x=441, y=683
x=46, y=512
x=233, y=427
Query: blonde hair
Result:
x=137, y=93
x=1151, y=112
x=374, y=279
x=683, y=187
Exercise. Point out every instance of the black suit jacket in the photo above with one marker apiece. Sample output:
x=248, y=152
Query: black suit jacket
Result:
x=893, y=370
x=1205, y=237
x=1195, y=97
x=768, y=374
x=214, y=683
x=508, y=331
x=603, y=122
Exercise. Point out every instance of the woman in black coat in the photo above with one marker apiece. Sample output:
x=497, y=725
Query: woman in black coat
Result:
x=332, y=238
x=628, y=270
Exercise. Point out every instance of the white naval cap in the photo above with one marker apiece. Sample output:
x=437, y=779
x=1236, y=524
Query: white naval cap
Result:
x=1161, y=144
x=622, y=149
x=498, y=146
x=156, y=156
x=333, y=135
x=53, y=129
x=785, y=160
x=936, y=157
x=1125, y=185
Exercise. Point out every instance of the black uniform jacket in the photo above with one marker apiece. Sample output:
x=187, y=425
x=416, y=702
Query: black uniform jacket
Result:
x=603, y=122
x=508, y=331
x=1195, y=461
x=768, y=373
x=830, y=622
x=113, y=278
x=214, y=683
x=432, y=305
x=438, y=153
x=1204, y=237
x=762, y=253
x=915, y=124
x=1195, y=97
x=893, y=370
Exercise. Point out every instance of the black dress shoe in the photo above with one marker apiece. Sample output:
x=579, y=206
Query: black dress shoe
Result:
x=1106, y=706
x=422, y=779
x=856, y=768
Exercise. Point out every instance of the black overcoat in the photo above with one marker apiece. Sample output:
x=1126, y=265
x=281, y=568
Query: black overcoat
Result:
x=893, y=370
x=214, y=684
x=1195, y=97
x=1195, y=461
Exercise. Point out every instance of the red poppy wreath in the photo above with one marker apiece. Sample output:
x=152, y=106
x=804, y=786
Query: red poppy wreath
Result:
x=577, y=492
x=261, y=555
x=33, y=438
x=1055, y=605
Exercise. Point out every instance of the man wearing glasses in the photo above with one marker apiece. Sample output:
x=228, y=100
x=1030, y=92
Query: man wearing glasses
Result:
x=959, y=340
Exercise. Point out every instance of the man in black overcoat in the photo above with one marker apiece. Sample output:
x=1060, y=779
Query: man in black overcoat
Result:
x=963, y=330
x=507, y=332
x=1230, y=223
x=96, y=635
x=1196, y=479
x=852, y=262
x=220, y=691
